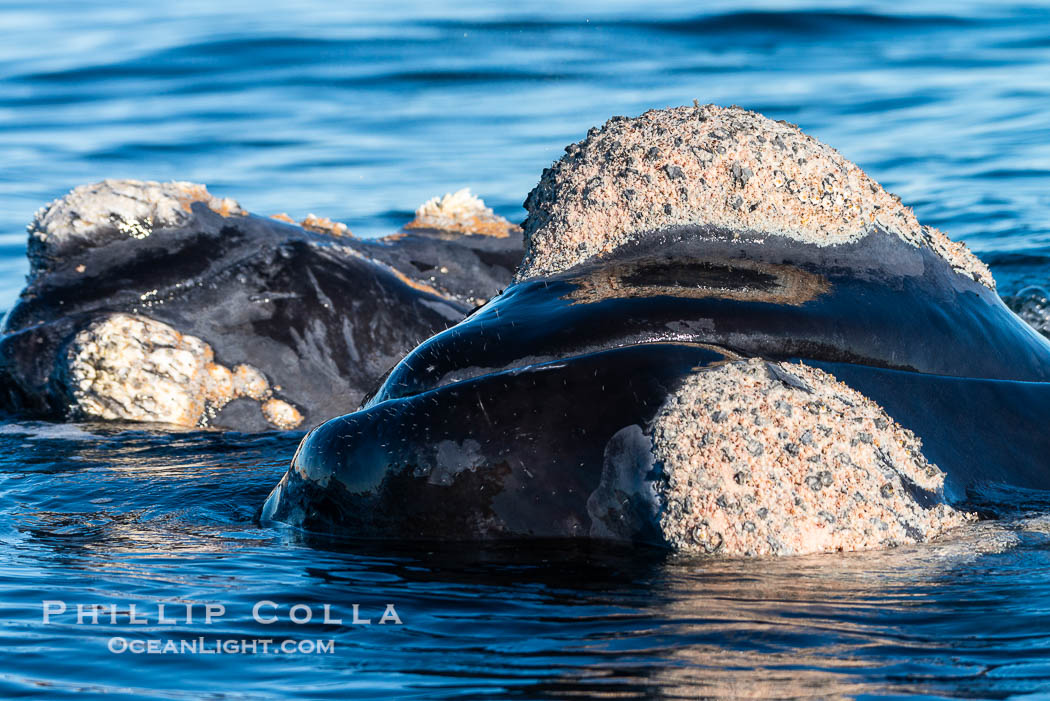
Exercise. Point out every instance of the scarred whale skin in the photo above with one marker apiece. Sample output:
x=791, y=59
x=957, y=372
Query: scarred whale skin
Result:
x=190, y=291
x=652, y=393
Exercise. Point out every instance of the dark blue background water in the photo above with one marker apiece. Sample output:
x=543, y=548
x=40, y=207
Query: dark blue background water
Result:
x=362, y=112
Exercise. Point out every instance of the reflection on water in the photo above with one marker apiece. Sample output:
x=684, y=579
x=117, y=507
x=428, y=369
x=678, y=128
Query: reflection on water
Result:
x=97, y=515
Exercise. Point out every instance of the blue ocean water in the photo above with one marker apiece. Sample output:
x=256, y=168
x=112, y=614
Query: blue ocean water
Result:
x=361, y=111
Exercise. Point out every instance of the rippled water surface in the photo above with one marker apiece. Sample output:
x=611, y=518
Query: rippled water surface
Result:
x=360, y=112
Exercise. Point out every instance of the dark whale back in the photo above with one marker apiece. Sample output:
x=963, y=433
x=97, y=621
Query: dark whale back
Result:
x=323, y=316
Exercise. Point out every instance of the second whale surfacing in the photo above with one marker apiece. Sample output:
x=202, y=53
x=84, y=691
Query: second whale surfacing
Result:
x=723, y=338
x=160, y=303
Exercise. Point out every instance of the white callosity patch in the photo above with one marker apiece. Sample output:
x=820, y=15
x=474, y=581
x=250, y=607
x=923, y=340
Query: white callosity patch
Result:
x=132, y=207
x=767, y=458
x=219, y=384
x=133, y=368
x=321, y=225
x=716, y=166
x=249, y=381
x=281, y=414
x=460, y=212
x=324, y=225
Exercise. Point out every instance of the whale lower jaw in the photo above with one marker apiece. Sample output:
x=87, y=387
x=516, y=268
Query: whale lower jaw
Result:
x=689, y=449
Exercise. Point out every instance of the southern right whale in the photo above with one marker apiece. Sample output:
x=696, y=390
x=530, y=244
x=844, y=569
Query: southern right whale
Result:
x=724, y=338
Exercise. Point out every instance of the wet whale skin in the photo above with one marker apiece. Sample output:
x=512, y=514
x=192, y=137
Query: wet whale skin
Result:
x=506, y=424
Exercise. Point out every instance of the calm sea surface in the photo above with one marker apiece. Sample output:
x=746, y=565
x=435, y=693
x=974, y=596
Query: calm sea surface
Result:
x=360, y=111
